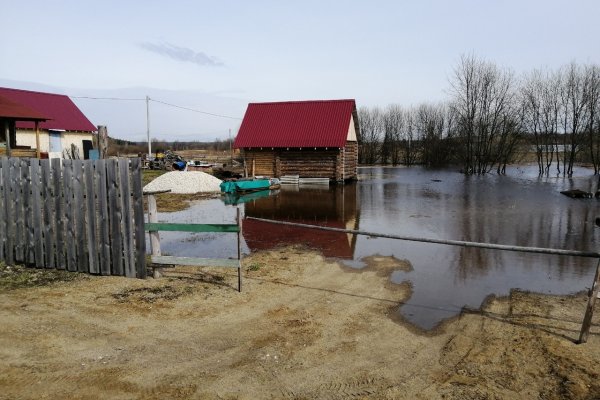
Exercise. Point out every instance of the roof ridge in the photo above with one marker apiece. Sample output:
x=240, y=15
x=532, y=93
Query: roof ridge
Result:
x=34, y=91
x=303, y=101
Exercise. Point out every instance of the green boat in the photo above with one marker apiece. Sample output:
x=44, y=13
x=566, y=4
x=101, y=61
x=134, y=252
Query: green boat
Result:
x=248, y=185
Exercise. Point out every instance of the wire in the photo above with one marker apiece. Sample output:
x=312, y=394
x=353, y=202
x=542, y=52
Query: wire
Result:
x=191, y=109
x=156, y=101
x=106, y=98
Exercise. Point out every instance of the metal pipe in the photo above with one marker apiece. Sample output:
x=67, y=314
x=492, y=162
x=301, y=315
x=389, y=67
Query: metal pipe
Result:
x=492, y=246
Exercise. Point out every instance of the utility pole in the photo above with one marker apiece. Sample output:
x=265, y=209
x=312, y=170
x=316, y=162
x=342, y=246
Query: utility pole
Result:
x=148, y=127
x=230, y=147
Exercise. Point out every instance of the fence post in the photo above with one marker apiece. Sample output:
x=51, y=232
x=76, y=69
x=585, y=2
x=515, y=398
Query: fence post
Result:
x=239, y=248
x=593, y=295
x=589, y=311
x=154, y=235
x=103, y=141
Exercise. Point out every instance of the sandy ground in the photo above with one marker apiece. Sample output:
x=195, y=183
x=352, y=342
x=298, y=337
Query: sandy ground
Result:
x=303, y=328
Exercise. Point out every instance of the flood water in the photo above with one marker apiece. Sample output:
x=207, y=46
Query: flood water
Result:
x=516, y=209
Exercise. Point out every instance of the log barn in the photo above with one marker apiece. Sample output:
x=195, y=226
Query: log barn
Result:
x=311, y=139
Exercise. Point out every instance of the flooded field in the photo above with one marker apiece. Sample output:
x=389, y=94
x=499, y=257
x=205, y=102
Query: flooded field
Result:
x=516, y=209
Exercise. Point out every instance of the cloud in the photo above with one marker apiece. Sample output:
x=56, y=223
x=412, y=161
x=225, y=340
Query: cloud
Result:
x=181, y=54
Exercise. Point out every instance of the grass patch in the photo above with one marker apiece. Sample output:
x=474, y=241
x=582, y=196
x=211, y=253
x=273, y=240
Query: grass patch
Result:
x=150, y=174
x=152, y=294
x=170, y=202
x=16, y=277
x=254, y=267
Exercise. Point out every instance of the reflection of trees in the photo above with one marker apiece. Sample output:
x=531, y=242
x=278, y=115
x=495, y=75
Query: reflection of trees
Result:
x=506, y=213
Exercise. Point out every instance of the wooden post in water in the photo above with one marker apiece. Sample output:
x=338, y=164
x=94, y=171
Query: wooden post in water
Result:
x=154, y=235
x=593, y=295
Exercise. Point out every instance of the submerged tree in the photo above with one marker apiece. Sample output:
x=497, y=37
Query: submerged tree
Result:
x=592, y=93
x=393, y=125
x=370, y=121
x=432, y=122
x=483, y=99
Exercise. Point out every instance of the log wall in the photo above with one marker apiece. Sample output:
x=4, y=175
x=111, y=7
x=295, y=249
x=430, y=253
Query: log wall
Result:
x=335, y=164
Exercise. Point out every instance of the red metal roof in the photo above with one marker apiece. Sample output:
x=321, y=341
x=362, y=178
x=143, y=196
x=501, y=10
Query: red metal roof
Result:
x=59, y=109
x=315, y=123
x=12, y=110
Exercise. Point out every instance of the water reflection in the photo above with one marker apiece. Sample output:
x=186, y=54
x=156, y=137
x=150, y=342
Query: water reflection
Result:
x=336, y=207
x=519, y=209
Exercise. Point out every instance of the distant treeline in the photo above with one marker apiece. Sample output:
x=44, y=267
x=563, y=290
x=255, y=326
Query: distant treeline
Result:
x=489, y=116
x=120, y=147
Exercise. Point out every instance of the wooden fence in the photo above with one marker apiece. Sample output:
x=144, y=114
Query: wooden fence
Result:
x=75, y=215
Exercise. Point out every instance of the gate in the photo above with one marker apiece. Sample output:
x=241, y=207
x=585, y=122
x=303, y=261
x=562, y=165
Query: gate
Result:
x=74, y=215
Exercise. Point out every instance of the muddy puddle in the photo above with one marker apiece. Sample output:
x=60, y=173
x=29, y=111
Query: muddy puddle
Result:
x=516, y=209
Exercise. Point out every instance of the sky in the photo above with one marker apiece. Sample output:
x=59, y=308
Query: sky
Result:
x=216, y=56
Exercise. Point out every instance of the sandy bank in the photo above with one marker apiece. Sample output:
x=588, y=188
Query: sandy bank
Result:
x=303, y=328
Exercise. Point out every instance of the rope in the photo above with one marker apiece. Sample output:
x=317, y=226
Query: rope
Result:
x=492, y=246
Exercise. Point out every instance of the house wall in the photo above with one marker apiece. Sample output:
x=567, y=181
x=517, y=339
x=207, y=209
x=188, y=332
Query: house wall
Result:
x=26, y=137
x=263, y=162
x=307, y=163
x=352, y=131
x=335, y=164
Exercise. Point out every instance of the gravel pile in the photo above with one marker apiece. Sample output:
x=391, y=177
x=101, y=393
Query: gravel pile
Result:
x=185, y=182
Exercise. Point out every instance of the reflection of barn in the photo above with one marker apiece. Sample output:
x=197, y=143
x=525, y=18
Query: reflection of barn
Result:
x=335, y=208
x=312, y=139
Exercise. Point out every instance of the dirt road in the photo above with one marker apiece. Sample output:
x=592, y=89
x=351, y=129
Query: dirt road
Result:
x=303, y=328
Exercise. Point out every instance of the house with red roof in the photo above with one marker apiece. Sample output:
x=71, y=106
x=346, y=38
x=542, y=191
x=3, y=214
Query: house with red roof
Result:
x=311, y=139
x=58, y=128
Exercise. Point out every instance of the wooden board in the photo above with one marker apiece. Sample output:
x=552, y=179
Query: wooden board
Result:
x=174, y=227
x=196, y=262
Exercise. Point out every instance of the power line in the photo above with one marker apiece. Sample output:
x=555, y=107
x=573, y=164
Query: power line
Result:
x=191, y=109
x=107, y=98
x=156, y=101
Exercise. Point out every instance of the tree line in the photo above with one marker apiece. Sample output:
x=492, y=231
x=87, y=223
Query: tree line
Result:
x=491, y=114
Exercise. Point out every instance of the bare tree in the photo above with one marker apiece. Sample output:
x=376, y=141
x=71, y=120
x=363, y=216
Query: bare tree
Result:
x=484, y=103
x=592, y=85
x=370, y=121
x=573, y=117
x=431, y=122
x=393, y=123
x=409, y=137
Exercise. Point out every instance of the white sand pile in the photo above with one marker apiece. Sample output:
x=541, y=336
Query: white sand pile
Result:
x=185, y=182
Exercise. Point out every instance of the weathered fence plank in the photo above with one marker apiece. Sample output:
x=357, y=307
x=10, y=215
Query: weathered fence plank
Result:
x=36, y=204
x=17, y=214
x=28, y=254
x=103, y=219
x=138, y=217
x=79, y=216
x=57, y=176
x=70, y=237
x=90, y=218
x=49, y=217
x=116, y=246
x=84, y=216
x=3, y=187
x=8, y=212
x=126, y=219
